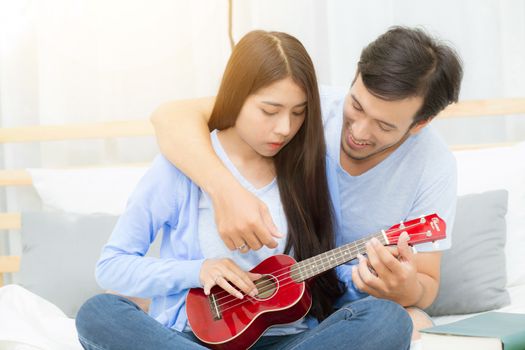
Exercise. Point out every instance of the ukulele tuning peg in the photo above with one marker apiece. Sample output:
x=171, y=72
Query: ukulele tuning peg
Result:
x=401, y=224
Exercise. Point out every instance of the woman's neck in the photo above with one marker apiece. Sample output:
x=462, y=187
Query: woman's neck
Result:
x=255, y=168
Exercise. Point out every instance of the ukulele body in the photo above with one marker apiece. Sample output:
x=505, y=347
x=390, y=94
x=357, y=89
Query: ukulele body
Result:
x=224, y=322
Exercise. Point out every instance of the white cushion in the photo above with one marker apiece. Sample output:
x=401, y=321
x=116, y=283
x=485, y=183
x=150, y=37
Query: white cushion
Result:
x=500, y=168
x=86, y=191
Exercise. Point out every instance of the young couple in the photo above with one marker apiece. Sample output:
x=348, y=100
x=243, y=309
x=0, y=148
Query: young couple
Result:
x=263, y=182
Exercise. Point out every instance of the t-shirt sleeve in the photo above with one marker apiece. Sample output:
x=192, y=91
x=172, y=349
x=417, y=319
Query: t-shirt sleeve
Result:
x=123, y=266
x=438, y=194
x=331, y=99
x=344, y=274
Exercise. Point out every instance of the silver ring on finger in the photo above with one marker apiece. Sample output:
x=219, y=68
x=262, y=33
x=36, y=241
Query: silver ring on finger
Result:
x=242, y=247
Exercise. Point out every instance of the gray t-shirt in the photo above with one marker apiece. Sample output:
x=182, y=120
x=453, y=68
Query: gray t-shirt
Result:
x=417, y=179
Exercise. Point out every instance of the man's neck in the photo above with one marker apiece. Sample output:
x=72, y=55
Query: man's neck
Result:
x=356, y=167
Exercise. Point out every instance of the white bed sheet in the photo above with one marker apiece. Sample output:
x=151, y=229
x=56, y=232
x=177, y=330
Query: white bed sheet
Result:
x=29, y=322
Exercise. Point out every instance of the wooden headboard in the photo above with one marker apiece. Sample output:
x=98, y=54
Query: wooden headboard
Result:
x=20, y=177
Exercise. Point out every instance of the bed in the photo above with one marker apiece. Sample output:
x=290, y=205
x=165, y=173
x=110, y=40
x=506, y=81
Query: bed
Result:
x=47, y=272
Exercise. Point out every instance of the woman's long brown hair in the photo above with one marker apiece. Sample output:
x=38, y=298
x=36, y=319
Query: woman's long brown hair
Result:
x=258, y=60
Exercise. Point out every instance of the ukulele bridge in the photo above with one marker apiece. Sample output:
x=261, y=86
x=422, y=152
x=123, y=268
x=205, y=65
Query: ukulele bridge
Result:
x=214, y=307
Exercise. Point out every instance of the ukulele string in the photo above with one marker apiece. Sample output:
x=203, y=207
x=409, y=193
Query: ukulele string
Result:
x=268, y=285
x=263, y=284
x=238, y=301
x=248, y=298
x=358, y=246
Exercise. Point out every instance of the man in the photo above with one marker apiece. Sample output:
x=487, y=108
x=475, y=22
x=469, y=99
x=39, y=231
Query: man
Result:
x=384, y=164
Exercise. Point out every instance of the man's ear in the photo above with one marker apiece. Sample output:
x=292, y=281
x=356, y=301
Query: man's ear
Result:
x=419, y=126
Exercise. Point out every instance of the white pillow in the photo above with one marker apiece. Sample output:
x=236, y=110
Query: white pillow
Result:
x=500, y=168
x=28, y=321
x=86, y=191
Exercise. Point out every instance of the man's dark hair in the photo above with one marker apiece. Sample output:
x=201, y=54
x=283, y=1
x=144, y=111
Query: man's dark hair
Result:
x=406, y=62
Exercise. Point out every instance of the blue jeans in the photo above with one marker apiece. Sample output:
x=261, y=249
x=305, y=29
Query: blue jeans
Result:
x=110, y=321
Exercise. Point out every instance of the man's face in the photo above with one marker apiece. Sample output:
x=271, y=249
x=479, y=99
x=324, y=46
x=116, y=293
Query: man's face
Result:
x=372, y=126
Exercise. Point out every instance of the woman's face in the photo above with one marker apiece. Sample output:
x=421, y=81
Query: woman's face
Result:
x=271, y=117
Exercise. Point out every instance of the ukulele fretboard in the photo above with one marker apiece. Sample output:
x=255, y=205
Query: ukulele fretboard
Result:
x=323, y=262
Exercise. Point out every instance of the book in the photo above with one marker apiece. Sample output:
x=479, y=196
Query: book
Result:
x=488, y=331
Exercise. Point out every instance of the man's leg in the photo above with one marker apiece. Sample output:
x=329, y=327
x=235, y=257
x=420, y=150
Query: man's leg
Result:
x=109, y=321
x=420, y=320
x=368, y=323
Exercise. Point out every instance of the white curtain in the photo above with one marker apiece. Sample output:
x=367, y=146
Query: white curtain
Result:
x=95, y=60
x=65, y=61
x=488, y=34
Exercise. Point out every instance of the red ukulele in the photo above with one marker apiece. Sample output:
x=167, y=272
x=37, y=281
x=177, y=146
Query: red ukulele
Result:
x=223, y=321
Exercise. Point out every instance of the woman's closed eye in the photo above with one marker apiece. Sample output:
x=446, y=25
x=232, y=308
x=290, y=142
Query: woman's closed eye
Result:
x=268, y=112
x=299, y=112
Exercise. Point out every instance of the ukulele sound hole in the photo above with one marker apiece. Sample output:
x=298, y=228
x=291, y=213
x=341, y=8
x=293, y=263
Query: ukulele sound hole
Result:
x=266, y=286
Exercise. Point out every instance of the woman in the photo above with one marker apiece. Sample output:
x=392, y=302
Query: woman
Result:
x=266, y=127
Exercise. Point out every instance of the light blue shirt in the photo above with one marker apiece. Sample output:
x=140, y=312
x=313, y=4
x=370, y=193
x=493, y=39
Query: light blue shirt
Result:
x=163, y=199
x=166, y=199
x=417, y=179
x=210, y=241
x=212, y=245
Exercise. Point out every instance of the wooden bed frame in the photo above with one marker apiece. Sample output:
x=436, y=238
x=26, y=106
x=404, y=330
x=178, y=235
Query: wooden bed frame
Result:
x=15, y=177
